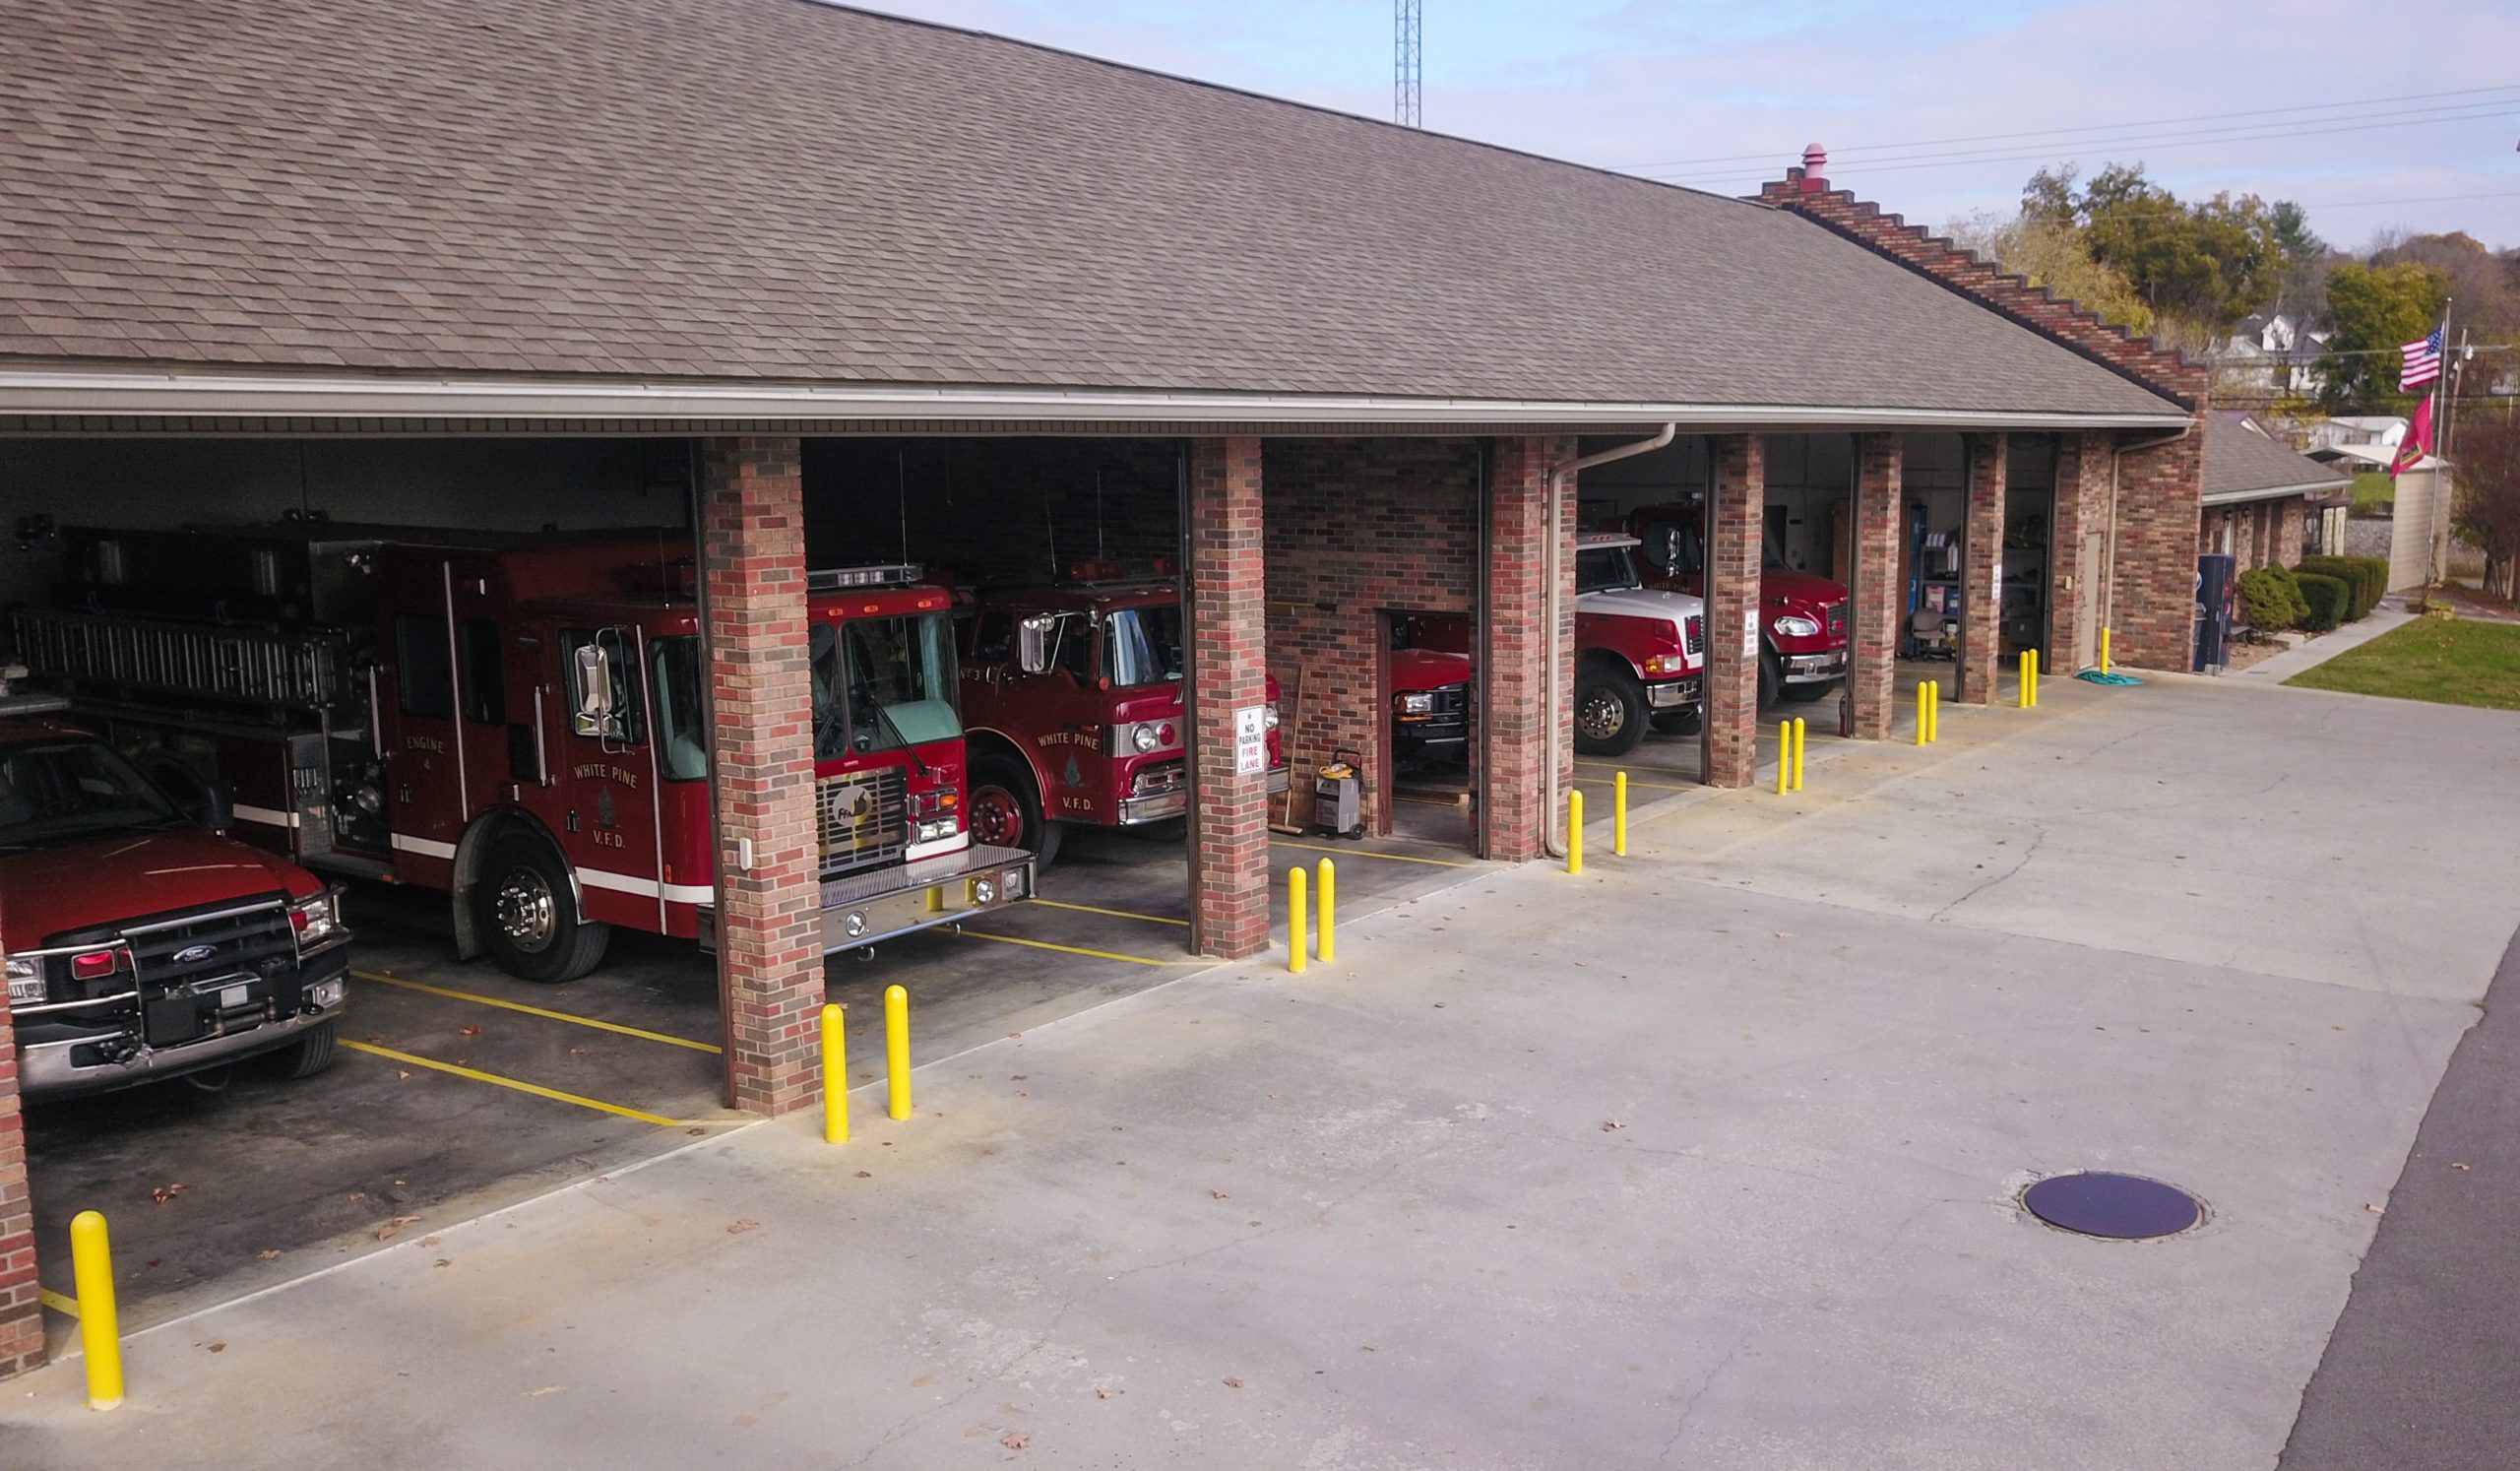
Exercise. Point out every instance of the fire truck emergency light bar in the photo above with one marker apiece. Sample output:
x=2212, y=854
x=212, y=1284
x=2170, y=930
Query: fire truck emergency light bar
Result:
x=885, y=575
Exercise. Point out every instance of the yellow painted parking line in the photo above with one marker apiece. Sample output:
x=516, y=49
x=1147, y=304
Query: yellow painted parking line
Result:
x=1633, y=781
x=65, y=1306
x=1010, y=939
x=492, y=1079
x=1617, y=766
x=1396, y=858
x=566, y=1016
x=1117, y=914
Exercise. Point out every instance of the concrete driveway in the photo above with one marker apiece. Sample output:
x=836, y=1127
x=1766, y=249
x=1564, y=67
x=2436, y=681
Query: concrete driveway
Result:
x=1708, y=1158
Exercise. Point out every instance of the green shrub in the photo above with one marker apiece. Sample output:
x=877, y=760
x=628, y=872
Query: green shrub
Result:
x=2326, y=600
x=2270, y=598
x=2366, y=579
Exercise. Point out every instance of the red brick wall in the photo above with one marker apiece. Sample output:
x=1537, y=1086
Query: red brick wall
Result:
x=1880, y=598
x=1354, y=527
x=1516, y=811
x=2082, y=505
x=769, y=925
x=21, y=1313
x=1981, y=551
x=1229, y=649
x=2152, y=610
x=1731, y=669
x=2290, y=514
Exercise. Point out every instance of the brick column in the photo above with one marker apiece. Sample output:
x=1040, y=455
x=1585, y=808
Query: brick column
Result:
x=2152, y=608
x=770, y=966
x=1514, y=807
x=2081, y=508
x=21, y=1313
x=1872, y=668
x=1229, y=658
x=2290, y=514
x=1982, y=550
x=1732, y=609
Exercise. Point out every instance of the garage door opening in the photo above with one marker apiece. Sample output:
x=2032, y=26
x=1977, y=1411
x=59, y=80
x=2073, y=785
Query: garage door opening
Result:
x=1430, y=770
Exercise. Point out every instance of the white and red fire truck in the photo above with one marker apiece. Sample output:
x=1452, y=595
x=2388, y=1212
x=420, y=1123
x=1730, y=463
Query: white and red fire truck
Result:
x=516, y=721
x=1074, y=697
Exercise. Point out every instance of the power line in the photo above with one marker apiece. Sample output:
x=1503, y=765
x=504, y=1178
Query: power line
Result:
x=2412, y=97
x=2047, y=154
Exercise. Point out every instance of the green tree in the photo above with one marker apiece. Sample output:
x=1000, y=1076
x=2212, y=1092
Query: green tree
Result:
x=2371, y=312
x=2196, y=267
x=2050, y=253
x=2486, y=510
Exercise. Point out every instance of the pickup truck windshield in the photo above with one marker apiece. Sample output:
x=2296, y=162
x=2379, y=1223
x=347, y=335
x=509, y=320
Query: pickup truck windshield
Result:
x=882, y=683
x=1143, y=645
x=72, y=791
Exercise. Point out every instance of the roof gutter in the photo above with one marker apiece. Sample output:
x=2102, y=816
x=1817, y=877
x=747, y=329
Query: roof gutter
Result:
x=1554, y=579
x=77, y=392
x=2274, y=492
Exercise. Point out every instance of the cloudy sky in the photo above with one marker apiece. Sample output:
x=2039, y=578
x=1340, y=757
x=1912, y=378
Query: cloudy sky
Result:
x=2371, y=114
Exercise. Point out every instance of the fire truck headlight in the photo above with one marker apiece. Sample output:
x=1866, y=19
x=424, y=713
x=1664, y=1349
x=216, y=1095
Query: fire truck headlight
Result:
x=1794, y=625
x=1145, y=738
x=853, y=924
x=935, y=828
x=984, y=891
x=25, y=981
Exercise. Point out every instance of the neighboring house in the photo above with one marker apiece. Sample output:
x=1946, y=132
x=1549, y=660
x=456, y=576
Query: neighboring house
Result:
x=2419, y=527
x=2264, y=502
x=2357, y=429
x=2274, y=353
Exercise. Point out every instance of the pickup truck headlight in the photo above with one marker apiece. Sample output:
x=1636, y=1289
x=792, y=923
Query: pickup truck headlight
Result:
x=1794, y=626
x=1413, y=704
x=25, y=981
x=318, y=922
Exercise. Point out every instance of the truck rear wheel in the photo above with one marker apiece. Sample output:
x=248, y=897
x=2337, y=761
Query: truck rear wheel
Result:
x=308, y=1055
x=1610, y=712
x=1006, y=812
x=529, y=911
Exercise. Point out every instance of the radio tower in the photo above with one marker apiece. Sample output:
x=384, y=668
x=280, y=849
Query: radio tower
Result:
x=1406, y=109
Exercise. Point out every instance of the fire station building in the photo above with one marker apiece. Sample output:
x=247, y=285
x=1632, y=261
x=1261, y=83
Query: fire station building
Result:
x=771, y=271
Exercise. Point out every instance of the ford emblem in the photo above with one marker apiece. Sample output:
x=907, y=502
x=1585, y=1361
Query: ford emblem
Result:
x=193, y=953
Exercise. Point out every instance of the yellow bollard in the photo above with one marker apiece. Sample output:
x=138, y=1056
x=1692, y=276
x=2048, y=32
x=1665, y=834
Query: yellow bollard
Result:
x=1618, y=815
x=1925, y=698
x=1297, y=944
x=1934, y=710
x=2104, y=650
x=897, y=1048
x=1329, y=902
x=2033, y=678
x=1802, y=732
x=1574, y=832
x=1784, y=757
x=835, y=1077
x=92, y=1269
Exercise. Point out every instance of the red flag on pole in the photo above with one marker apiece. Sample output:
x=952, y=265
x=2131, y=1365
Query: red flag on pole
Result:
x=2418, y=442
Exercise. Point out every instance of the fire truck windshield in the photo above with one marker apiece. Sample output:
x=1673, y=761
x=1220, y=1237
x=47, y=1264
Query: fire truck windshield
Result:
x=73, y=792
x=883, y=683
x=1143, y=645
x=1605, y=569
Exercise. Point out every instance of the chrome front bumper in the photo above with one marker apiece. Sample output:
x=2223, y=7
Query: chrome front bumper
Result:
x=1804, y=669
x=865, y=909
x=1675, y=695
x=1157, y=805
x=46, y=1070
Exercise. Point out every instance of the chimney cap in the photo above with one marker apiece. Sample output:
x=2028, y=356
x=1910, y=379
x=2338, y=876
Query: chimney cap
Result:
x=1816, y=159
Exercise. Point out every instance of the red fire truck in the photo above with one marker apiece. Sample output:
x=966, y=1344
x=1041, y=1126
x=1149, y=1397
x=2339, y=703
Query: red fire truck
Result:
x=1803, y=616
x=1074, y=697
x=516, y=721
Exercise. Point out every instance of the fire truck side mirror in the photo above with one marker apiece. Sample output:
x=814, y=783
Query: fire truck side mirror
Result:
x=595, y=713
x=1034, y=642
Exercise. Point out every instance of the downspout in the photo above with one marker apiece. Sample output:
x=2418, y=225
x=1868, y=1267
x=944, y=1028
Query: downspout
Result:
x=2108, y=588
x=1554, y=581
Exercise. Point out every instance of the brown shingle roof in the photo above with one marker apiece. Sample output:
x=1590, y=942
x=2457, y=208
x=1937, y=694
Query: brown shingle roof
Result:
x=779, y=189
x=2241, y=463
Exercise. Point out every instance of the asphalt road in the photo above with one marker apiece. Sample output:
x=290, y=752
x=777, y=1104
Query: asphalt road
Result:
x=2420, y=1371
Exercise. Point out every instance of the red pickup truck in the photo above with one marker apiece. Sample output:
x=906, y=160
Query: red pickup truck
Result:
x=1802, y=617
x=1072, y=706
x=1640, y=657
x=140, y=943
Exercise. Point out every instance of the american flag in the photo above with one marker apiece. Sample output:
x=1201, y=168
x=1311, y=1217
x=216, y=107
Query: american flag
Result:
x=2423, y=362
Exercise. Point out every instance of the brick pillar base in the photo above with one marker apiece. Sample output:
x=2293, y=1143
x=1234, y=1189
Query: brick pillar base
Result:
x=1982, y=551
x=21, y=1313
x=752, y=553
x=1733, y=611
x=1229, y=657
x=1872, y=665
x=1514, y=805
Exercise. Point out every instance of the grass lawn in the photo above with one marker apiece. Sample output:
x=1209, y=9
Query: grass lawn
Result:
x=2373, y=487
x=2462, y=661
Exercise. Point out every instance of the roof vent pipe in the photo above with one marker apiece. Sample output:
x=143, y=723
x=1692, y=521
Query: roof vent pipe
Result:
x=1815, y=163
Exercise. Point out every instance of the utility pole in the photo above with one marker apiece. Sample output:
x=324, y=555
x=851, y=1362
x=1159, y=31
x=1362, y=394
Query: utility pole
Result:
x=1407, y=106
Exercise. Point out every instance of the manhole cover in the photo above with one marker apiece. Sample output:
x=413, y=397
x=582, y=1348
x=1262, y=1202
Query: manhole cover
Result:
x=2122, y=1207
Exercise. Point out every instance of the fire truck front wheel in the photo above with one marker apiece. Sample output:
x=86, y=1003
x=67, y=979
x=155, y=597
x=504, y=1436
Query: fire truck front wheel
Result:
x=530, y=915
x=1006, y=812
x=1610, y=711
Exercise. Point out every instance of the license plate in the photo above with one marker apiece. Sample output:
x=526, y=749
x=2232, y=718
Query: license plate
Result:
x=232, y=997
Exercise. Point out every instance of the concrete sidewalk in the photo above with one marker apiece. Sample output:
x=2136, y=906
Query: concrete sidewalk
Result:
x=1707, y=1158
x=2275, y=668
